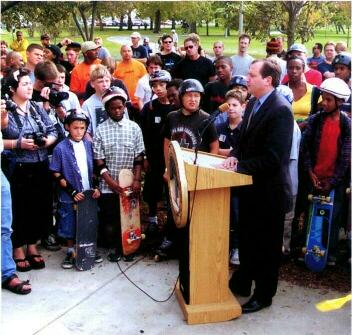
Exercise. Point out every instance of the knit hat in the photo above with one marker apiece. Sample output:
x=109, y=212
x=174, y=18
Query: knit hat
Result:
x=88, y=45
x=55, y=50
x=272, y=47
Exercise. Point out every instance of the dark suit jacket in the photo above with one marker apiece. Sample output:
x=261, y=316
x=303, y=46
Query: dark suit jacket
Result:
x=264, y=148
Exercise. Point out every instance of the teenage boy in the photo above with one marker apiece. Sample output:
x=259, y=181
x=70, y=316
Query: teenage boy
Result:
x=72, y=166
x=172, y=93
x=100, y=79
x=326, y=151
x=185, y=126
x=228, y=133
x=118, y=144
x=215, y=91
x=154, y=114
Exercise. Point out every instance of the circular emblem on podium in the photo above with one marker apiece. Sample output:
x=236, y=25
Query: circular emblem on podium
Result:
x=178, y=190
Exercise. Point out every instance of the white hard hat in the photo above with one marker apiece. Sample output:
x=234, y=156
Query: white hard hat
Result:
x=337, y=87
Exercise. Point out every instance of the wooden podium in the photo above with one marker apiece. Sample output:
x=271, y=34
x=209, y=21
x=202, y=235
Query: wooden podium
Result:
x=202, y=190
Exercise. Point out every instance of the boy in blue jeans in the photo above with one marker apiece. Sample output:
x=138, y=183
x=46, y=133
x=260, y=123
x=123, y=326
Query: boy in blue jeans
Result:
x=72, y=166
x=326, y=151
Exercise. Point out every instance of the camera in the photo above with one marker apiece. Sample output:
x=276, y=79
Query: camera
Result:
x=38, y=138
x=55, y=97
x=10, y=105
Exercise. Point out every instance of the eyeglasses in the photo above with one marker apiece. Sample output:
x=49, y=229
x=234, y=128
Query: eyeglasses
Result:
x=167, y=42
x=189, y=47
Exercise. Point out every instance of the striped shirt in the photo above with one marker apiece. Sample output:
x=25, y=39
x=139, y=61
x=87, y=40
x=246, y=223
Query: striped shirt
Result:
x=118, y=143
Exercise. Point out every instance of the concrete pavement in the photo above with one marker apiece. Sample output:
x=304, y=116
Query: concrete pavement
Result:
x=102, y=301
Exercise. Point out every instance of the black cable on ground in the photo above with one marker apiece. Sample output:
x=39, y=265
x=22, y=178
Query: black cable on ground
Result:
x=143, y=291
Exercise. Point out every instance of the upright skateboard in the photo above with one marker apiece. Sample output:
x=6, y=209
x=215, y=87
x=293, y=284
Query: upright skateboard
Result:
x=130, y=214
x=318, y=233
x=86, y=232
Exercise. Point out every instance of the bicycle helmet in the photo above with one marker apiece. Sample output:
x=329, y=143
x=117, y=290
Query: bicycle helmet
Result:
x=74, y=115
x=336, y=87
x=191, y=85
x=161, y=75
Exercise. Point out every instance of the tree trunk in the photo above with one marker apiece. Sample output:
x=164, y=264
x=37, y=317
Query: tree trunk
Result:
x=193, y=27
x=85, y=25
x=121, y=23
x=94, y=10
x=207, y=27
x=157, y=24
x=173, y=23
x=78, y=25
x=151, y=24
x=129, y=21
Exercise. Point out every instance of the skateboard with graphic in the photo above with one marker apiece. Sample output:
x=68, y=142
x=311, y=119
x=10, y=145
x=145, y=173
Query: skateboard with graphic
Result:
x=131, y=233
x=318, y=232
x=86, y=231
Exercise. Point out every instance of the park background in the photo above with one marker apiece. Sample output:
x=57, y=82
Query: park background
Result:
x=305, y=22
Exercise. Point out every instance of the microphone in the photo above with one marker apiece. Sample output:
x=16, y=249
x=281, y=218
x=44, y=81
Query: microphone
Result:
x=221, y=109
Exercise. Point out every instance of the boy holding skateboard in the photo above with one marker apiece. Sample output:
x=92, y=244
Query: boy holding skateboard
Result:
x=154, y=114
x=72, y=166
x=118, y=144
x=326, y=151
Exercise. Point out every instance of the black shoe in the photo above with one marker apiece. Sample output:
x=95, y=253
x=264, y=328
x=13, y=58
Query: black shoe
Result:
x=128, y=258
x=50, y=243
x=114, y=257
x=237, y=289
x=254, y=305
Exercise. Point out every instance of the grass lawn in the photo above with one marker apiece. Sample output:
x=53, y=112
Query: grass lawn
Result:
x=257, y=48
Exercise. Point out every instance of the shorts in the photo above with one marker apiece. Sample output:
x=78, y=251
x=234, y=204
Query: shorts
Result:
x=66, y=220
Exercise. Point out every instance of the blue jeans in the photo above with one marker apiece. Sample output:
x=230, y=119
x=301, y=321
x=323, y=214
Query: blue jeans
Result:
x=8, y=266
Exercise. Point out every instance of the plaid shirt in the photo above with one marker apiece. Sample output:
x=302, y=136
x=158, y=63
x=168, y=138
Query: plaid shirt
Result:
x=118, y=143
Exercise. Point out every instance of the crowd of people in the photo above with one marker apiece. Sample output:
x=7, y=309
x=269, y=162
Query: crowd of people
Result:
x=69, y=126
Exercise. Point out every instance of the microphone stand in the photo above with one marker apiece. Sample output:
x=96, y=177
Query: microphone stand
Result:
x=209, y=121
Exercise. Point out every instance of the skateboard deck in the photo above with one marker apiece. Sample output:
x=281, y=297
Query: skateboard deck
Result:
x=318, y=233
x=86, y=231
x=130, y=214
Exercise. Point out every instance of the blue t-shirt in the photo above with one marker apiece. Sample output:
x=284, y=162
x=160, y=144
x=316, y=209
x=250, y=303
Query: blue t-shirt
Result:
x=64, y=162
x=323, y=67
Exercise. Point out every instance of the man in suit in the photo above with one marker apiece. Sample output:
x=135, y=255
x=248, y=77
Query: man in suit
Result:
x=263, y=152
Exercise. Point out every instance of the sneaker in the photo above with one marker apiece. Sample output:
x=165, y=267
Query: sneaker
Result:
x=114, y=257
x=68, y=261
x=97, y=258
x=50, y=243
x=128, y=258
x=234, y=257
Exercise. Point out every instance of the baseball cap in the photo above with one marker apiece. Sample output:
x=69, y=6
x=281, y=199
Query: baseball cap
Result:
x=88, y=45
x=136, y=34
x=297, y=47
x=113, y=92
x=45, y=36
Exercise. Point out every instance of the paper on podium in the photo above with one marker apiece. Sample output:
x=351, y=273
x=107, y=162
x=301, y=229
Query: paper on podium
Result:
x=203, y=159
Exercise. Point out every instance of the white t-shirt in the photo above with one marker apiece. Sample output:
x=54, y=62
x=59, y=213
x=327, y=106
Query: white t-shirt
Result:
x=293, y=165
x=143, y=90
x=241, y=65
x=81, y=158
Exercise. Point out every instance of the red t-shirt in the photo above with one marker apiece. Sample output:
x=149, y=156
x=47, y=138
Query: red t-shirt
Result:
x=313, y=77
x=327, y=154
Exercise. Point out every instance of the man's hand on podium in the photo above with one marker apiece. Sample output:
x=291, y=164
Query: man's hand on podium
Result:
x=230, y=163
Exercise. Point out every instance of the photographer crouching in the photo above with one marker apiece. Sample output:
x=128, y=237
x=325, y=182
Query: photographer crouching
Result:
x=26, y=138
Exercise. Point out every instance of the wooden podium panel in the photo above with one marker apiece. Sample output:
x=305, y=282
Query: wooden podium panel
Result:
x=209, y=297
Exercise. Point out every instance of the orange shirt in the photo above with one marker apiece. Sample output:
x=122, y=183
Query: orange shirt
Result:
x=130, y=73
x=80, y=76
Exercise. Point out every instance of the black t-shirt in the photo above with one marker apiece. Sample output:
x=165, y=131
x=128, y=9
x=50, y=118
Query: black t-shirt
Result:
x=200, y=69
x=169, y=61
x=139, y=52
x=228, y=138
x=214, y=96
x=186, y=129
x=153, y=117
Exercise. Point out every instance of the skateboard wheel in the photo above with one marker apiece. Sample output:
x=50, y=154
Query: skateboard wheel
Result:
x=322, y=253
x=129, y=241
x=157, y=258
x=304, y=250
x=142, y=236
x=327, y=199
x=348, y=190
x=310, y=197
